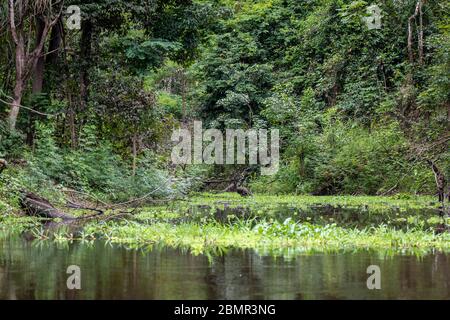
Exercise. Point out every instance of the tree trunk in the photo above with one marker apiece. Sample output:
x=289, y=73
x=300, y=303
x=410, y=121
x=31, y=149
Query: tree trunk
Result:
x=54, y=44
x=38, y=79
x=72, y=128
x=441, y=182
x=134, y=150
x=71, y=112
x=410, y=31
x=26, y=61
x=19, y=84
x=38, y=72
x=15, y=105
x=183, y=94
x=420, y=40
x=85, y=45
x=85, y=59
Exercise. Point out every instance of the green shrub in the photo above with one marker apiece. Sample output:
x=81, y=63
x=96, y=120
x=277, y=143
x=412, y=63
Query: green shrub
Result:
x=347, y=159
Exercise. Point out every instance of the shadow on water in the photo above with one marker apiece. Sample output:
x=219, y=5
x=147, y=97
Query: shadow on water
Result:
x=37, y=270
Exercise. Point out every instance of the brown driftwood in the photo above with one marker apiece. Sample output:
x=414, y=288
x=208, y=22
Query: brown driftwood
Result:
x=37, y=206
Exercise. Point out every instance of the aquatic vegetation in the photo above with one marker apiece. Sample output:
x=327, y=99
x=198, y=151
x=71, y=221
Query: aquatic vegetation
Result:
x=200, y=238
x=14, y=223
x=212, y=223
x=375, y=203
x=400, y=213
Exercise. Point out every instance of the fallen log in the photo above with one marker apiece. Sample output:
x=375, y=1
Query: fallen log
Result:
x=34, y=205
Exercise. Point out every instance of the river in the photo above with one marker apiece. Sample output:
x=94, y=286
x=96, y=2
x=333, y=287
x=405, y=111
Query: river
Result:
x=31, y=269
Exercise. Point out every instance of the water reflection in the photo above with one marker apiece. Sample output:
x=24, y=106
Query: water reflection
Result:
x=37, y=270
x=362, y=217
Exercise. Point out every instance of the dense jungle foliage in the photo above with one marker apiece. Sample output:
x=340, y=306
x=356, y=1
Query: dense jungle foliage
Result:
x=360, y=111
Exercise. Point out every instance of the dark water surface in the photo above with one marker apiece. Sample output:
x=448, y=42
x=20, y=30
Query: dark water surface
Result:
x=358, y=217
x=37, y=270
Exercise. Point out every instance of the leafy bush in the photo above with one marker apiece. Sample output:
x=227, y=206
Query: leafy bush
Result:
x=93, y=168
x=349, y=160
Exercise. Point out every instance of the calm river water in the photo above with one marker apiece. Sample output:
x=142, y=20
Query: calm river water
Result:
x=37, y=270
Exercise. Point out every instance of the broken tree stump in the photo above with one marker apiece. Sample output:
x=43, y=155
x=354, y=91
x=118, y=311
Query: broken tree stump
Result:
x=34, y=205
